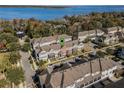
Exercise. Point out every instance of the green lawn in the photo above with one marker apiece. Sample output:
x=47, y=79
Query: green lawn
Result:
x=4, y=56
x=4, y=61
x=13, y=74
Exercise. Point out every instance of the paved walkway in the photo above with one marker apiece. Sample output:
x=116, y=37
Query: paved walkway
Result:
x=27, y=68
x=86, y=53
x=34, y=64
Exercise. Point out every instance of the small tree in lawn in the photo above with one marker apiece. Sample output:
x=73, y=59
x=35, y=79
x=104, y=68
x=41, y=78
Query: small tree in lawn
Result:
x=100, y=54
x=13, y=46
x=15, y=75
x=26, y=47
x=110, y=51
x=3, y=83
x=27, y=40
x=86, y=40
x=14, y=57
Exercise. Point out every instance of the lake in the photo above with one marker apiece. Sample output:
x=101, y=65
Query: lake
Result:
x=52, y=13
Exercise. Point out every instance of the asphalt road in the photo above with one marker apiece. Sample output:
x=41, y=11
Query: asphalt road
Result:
x=27, y=68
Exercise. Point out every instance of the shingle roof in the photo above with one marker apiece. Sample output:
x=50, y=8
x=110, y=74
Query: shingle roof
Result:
x=112, y=28
x=85, y=33
x=63, y=36
x=58, y=46
x=45, y=48
x=55, y=46
x=50, y=38
x=95, y=66
x=106, y=63
x=70, y=75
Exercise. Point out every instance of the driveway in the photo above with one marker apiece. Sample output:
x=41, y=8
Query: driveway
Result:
x=27, y=68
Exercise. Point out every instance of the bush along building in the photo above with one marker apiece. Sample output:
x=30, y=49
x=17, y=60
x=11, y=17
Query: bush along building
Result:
x=76, y=76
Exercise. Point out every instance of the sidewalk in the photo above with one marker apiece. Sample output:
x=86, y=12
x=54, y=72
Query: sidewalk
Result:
x=34, y=64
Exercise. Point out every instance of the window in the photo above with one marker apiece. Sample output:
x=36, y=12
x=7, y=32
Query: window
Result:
x=44, y=86
x=99, y=78
x=95, y=79
x=106, y=74
x=82, y=85
x=86, y=84
x=91, y=82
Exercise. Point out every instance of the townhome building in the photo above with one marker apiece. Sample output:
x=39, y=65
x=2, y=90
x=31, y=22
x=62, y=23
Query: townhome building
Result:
x=55, y=50
x=81, y=75
x=49, y=40
x=110, y=36
x=91, y=33
x=50, y=47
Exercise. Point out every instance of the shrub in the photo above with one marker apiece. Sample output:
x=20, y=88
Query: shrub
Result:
x=110, y=51
x=26, y=47
x=115, y=59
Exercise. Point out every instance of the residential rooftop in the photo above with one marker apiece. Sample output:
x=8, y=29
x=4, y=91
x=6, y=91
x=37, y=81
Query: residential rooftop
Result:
x=69, y=75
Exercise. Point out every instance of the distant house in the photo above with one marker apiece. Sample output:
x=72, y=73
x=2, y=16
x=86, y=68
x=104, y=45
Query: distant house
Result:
x=2, y=46
x=49, y=40
x=91, y=33
x=78, y=76
x=109, y=37
x=99, y=40
x=120, y=35
x=56, y=51
x=111, y=30
x=20, y=34
x=52, y=48
x=1, y=29
x=66, y=38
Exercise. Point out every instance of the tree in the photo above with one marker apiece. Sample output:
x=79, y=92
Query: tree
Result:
x=110, y=51
x=3, y=83
x=97, y=25
x=26, y=47
x=14, y=57
x=100, y=54
x=41, y=63
x=27, y=40
x=15, y=75
x=8, y=37
x=13, y=46
x=86, y=40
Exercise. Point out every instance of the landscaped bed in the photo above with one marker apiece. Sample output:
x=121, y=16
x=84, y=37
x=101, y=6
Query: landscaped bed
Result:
x=11, y=74
x=4, y=61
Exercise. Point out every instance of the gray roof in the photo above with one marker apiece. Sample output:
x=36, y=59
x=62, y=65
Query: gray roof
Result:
x=71, y=43
x=84, y=33
x=49, y=39
x=46, y=48
x=112, y=28
x=106, y=63
x=70, y=75
x=55, y=46
x=64, y=36
x=95, y=65
x=58, y=46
